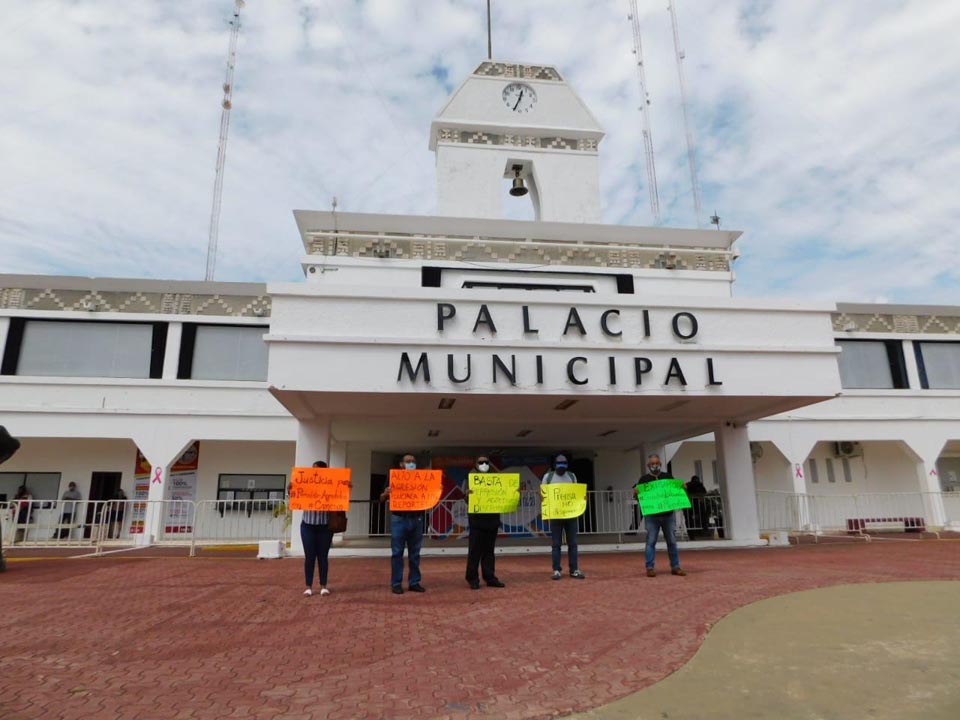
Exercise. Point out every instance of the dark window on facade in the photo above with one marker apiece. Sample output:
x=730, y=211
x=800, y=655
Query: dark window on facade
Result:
x=939, y=364
x=872, y=364
x=223, y=352
x=84, y=348
x=42, y=485
x=250, y=493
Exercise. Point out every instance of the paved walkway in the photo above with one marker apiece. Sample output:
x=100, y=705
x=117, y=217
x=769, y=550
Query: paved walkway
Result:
x=134, y=637
x=882, y=651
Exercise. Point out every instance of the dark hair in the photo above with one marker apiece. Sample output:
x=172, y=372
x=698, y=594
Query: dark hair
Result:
x=319, y=464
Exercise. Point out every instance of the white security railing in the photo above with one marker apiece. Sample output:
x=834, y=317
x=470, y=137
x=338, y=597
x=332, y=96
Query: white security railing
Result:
x=609, y=512
x=45, y=523
x=861, y=512
x=230, y=522
x=951, y=507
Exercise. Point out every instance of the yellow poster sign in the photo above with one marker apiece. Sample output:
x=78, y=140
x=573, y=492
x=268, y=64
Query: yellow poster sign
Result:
x=494, y=492
x=563, y=501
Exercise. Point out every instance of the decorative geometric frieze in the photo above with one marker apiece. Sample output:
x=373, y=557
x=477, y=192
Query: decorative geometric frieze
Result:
x=510, y=70
x=899, y=324
x=547, y=142
x=134, y=301
x=536, y=252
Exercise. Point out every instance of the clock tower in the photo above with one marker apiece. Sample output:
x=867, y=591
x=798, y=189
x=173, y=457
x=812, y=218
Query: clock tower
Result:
x=521, y=122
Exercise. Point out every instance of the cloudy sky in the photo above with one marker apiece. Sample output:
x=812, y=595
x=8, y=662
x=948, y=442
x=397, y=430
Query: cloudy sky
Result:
x=827, y=130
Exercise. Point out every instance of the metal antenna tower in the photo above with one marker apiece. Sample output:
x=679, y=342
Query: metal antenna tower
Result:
x=691, y=146
x=227, y=104
x=645, y=114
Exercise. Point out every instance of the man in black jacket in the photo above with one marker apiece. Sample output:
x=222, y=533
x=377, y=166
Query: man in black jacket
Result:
x=483, y=538
x=655, y=522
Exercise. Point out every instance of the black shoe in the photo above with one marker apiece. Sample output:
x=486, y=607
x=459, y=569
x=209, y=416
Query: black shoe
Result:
x=397, y=590
x=495, y=583
x=417, y=588
x=475, y=585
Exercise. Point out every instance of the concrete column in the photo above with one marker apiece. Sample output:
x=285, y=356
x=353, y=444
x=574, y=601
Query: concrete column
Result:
x=910, y=361
x=926, y=452
x=338, y=458
x=171, y=356
x=737, y=486
x=313, y=443
x=162, y=451
x=4, y=333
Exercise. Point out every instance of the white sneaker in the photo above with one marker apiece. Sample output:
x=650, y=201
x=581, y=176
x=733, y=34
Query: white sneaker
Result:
x=557, y=575
x=308, y=592
x=324, y=591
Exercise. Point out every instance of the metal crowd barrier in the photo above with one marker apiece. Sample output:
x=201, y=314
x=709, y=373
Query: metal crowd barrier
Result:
x=859, y=513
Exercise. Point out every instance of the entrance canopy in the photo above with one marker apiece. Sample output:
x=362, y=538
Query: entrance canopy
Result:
x=422, y=419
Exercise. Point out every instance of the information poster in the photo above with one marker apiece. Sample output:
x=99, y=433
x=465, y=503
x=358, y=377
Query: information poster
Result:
x=320, y=489
x=141, y=491
x=183, y=487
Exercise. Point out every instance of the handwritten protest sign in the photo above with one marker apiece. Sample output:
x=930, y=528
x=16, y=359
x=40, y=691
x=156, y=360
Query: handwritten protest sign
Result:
x=563, y=501
x=320, y=488
x=494, y=492
x=662, y=496
x=415, y=489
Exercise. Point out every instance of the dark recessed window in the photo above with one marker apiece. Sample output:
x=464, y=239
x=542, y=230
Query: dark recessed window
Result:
x=872, y=364
x=939, y=364
x=223, y=352
x=85, y=348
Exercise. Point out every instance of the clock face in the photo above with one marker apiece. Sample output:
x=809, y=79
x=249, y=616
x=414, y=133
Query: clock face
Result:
x=519, y=97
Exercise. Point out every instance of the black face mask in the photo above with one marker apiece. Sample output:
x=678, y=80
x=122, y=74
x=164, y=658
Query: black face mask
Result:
x=561, y=470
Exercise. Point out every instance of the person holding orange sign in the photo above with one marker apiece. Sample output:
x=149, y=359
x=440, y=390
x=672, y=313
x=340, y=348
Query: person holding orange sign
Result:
x=317, y=538
x=406, y=528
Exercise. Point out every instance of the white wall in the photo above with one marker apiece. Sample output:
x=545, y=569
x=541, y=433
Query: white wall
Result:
x=683, y=466
x=76, y=459
x=885, y=467
x=246, y=457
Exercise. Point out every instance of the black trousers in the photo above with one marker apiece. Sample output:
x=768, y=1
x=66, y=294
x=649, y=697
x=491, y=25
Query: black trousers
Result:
x=480, y=555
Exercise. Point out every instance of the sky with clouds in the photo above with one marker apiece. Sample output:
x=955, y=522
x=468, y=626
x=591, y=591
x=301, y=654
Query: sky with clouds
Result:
x=827, y=130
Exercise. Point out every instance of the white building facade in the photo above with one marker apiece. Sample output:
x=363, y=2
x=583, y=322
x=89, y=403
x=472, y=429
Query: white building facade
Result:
x=462, y=333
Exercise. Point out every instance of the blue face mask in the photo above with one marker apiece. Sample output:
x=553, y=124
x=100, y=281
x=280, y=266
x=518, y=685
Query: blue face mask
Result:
x=410, y=466
x=561, y=469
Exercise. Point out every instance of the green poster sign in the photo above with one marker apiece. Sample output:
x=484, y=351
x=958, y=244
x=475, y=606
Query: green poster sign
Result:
x=662, y=496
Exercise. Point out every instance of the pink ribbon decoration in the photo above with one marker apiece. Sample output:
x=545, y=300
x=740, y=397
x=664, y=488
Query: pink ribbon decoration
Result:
x=157, y=476
x=799, y=471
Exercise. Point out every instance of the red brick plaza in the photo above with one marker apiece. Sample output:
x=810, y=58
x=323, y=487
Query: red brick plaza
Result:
x=218, y=637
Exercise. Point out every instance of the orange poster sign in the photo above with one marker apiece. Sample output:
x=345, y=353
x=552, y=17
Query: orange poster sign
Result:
x=415, y=489
x=320, y=488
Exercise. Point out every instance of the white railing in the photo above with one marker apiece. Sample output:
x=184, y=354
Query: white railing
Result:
x=609, y=512
x=951, y=507
x=861, y=512
x=45, y=523
x=228, y=522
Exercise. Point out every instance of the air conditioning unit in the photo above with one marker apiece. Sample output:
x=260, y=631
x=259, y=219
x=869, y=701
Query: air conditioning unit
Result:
x=847, y=448
x=756, y=451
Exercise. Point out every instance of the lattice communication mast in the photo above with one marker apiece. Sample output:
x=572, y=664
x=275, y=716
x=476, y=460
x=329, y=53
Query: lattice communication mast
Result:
x=227, y=104
x=691, y=146
x=645, y=114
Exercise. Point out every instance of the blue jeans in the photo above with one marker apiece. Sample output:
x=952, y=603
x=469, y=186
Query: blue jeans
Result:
x=405, y=532
x=654, y=524
x=316, y=549
x=557, y=529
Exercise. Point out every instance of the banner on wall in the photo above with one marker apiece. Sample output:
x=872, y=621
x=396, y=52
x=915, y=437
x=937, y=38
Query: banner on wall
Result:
x=183, y=487
x=141, y=491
